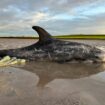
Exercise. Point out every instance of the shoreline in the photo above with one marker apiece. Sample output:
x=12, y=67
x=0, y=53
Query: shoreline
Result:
x=75, y=38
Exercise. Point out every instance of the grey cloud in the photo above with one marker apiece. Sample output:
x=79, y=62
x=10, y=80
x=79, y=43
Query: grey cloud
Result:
x=17, y=16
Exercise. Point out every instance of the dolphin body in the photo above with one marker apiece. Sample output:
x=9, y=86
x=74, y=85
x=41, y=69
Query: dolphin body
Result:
x=51, y=49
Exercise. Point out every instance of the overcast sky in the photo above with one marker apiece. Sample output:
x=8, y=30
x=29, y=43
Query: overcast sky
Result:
x=56, y=16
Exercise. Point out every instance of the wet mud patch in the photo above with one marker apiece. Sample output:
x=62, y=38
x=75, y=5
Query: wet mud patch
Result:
x=46, y=83
x=25, y=87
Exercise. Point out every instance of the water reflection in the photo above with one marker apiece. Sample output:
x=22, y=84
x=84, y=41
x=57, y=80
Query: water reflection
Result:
x=44, y=83
x=47, y=71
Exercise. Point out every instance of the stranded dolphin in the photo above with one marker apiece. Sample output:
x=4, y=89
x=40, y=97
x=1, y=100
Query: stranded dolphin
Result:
x=51, y=49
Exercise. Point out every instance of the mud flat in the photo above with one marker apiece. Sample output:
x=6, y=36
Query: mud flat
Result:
x=47, y=83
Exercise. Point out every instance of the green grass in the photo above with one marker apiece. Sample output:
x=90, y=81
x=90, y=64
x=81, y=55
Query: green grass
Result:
x=66, y=37
x=81, y=36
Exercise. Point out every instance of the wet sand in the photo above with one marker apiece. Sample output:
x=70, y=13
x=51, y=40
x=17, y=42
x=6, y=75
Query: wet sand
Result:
x=49, y=83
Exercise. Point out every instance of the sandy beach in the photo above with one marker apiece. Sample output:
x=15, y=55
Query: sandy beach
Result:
x=48, y=83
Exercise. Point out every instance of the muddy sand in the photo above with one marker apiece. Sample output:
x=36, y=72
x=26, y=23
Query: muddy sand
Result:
x=47, y=83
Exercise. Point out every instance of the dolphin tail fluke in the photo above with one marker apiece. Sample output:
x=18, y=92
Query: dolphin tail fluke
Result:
x=43, y=34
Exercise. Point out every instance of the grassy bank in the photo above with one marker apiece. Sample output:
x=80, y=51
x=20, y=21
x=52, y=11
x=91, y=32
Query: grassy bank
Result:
x=81, y=36
x=66, y=37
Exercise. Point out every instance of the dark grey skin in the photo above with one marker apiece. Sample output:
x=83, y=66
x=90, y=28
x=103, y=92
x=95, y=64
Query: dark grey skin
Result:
x=51, y=49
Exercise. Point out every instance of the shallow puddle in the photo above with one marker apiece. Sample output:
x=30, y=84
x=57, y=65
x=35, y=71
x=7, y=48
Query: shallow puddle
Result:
x=44, y=83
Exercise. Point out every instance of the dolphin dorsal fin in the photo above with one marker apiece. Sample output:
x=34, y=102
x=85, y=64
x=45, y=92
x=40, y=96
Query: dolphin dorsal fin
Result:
x=44, y=36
